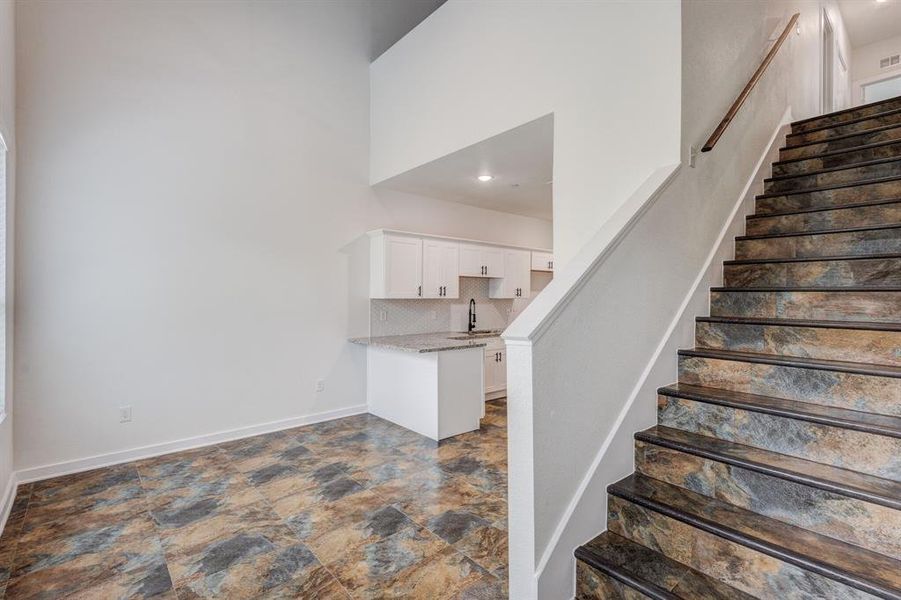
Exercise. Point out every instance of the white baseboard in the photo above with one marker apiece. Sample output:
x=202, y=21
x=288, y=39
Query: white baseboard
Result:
x=123, y=456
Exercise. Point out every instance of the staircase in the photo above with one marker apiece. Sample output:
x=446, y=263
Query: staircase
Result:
x=775, y=468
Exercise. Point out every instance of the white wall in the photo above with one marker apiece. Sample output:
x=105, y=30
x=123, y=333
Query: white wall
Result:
x=593, y=348
x=7, y=130
x=195, y=192
x=609, y=71
x=865, y=64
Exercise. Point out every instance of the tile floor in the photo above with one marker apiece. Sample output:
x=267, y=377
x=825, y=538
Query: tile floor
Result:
x=352, y=508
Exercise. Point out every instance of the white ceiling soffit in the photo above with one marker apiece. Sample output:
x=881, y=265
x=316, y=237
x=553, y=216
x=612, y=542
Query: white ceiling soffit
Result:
x=521, y=161
x=390, y=20
x=869, y=21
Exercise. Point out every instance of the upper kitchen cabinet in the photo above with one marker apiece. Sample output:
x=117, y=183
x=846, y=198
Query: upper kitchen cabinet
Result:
x=517, y=280
x=481, y=261
x=395, y=265
x=542, y=261
x=440, y=269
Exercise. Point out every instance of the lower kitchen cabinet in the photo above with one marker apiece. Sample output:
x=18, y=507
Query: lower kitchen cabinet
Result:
x=495, y=370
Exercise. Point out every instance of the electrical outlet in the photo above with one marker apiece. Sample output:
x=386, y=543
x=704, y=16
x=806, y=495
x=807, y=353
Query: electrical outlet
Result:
x=383, y=315
x=124, y=414
x=320, y=385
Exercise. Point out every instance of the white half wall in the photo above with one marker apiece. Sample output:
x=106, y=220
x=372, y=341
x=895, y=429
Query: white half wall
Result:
x=586, y=356
x=195, y=196
x=609, y=71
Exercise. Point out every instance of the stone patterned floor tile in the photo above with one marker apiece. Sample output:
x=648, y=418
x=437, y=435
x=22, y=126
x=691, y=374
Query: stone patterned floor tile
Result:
x=350, y=508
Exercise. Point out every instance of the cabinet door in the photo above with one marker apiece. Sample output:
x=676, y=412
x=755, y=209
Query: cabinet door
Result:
x=403, y=267
x=432, y=264
x=520, y=263
x=450, y=270
x=500, y=378
x=493, y=259
x=542, y=261
x=490, y=370
x=471, y=261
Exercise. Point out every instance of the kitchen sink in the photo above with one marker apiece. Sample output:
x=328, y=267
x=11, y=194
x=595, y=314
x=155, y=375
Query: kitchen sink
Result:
x=478, y=333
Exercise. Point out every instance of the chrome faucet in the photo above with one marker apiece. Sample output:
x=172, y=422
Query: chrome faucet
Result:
x=472, y=315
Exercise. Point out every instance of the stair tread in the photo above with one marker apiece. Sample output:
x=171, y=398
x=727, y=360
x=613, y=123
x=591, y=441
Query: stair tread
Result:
x=822, y=324
x=650, y=572
x=866, y=163
x=852, y=565
x=885, y=113
x=801, y=211
x=822, y=476
x=833, y=416
x=844, y=110
x=831, y=186
x=837, y=152
x=797, y=259
x=843, y=136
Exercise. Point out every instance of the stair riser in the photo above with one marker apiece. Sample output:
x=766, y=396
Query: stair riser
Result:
x=883, y=272
x=851, y=115
x=837, y=160
x=881, y=214
x=843, y=129
x=806, y=182
x=857, y=345
x=812, y=150
x=866, y=393
x=858, y=522
x=591, y=584
x=741, y=567
x=847, y=243
x=831, y=306
x=870, y=192
x=877, y=455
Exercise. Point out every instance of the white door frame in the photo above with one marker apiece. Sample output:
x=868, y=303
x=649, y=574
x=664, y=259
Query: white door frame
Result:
x=827, y=64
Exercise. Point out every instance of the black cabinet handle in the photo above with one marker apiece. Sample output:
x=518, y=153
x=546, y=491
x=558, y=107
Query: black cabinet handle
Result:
x=419, y=291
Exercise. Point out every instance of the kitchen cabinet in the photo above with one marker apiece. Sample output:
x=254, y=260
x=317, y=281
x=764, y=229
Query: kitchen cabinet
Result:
x=395, y=266
x=542, y=261
x=481, y=261
x=495, y=371
x=517, y=279
x=440, y=269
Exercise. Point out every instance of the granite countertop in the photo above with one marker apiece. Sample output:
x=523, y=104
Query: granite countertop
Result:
x=427, y=342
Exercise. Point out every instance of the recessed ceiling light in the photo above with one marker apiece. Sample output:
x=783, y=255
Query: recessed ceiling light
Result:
x=486, y=177
x=881, y=1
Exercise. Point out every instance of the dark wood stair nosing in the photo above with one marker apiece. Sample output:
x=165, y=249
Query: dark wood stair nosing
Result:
x=801, y=211
x=842, y=137
x=647, y=588
x=799, y=414
x=866, y=163
x=844, y=110
x=796, y=362
x=828, y=188
x=837, y=152
x=795, y=259
x=885, y=113
x=773, y=549
x=771, y=470
x=812, y=323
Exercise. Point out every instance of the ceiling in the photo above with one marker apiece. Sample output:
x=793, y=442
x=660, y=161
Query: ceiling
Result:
x=391, y=20
x=521, y=161
x=868, y=21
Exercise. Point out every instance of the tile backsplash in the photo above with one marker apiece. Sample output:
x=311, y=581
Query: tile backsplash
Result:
x=403, y=317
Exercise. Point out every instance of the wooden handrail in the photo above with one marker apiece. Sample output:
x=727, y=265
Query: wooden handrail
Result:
x=715, y=136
